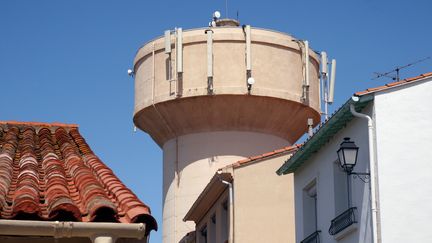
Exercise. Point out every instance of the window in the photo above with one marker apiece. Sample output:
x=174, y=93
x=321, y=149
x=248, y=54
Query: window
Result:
x=224, y=221
x=341, y=181
x=310, y=209
x=203, y=235
x=212, y=229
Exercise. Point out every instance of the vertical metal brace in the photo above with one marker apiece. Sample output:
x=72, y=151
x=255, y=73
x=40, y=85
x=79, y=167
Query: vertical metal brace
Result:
x=306, y=43
x=179, y=48
x=305, y=54
x=167, y=41
x=247, y=31
x=168, y=61
x=248, y=48
x=209, y=60
x=209, y=53
x=179, y=62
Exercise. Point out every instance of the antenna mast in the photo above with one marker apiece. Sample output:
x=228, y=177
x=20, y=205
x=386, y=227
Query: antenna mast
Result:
x=397, y=70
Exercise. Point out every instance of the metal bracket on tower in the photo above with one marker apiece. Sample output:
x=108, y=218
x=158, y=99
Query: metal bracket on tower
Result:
x=248, y=48
x=179, y=61
x=168, y=62
x=179, y=48
x=168, y=41
x=209, y=60
x=305, y=96
x=249, y=80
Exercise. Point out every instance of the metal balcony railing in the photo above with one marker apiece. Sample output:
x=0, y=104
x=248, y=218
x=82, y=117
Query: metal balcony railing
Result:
x=343, y=220
x=312, y=238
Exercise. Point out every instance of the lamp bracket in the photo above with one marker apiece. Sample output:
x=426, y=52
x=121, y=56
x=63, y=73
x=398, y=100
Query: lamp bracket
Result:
x=365, y=177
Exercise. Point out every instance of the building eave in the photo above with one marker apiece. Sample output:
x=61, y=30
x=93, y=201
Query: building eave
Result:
x=324, y=133
x=208, y=197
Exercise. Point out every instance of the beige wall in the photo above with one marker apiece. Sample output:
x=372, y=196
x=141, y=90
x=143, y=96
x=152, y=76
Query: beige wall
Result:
x=191, y=161
x=277, y=68
x=201, y=132
x=263, y=203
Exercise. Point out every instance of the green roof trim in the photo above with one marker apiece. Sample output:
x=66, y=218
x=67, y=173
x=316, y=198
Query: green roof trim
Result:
x=326, y=131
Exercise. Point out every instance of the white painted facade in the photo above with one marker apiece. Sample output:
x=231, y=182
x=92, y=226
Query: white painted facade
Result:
x=403, y=131
x=320, y=169
x=404, y=138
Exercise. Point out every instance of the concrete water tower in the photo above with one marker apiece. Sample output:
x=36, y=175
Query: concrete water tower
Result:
x=212, y=96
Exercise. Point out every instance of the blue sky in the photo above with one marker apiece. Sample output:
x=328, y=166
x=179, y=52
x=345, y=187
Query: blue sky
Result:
x=66, y=61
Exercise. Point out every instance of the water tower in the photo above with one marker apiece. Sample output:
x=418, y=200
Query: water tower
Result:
x=212, y=96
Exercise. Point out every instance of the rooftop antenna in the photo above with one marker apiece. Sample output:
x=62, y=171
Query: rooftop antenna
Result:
x=327, y=81
x=216, y=16
x=397, y=70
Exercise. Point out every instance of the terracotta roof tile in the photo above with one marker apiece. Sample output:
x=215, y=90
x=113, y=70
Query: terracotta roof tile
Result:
x=287, y=149
x=393, y=84
x=48, y=172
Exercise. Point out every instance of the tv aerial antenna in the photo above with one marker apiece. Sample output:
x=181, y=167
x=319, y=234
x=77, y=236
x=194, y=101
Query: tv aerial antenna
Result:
x=394, y=74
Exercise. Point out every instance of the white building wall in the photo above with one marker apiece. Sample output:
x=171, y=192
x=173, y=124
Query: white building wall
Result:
x=404, y=135
x=320, y=167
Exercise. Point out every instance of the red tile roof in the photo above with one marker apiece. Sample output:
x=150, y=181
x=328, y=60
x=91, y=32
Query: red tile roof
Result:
x=393, y=84
x=277, y=152
x=48, y=172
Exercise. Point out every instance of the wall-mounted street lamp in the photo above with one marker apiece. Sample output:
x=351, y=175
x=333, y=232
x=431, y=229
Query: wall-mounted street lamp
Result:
x=347, y=154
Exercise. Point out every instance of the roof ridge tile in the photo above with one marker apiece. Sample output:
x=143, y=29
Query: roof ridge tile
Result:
x=37, y=124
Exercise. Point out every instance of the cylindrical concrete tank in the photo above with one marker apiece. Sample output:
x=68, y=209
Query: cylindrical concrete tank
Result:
x=207, y=116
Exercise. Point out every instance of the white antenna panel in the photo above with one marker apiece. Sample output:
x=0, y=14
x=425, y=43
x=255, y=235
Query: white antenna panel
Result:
x=324, y=60
x=332, y=81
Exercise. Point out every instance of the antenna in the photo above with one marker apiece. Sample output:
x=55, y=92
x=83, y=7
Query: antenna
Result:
x=332, y=81
x=324, y=65
x=327, y=85
x=215, y=17
x=397, y=70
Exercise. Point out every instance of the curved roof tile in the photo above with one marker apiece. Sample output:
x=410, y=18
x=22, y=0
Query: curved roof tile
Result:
x=48, y=172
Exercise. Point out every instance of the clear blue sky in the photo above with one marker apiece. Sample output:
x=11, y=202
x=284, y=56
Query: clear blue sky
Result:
x=66, y=61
